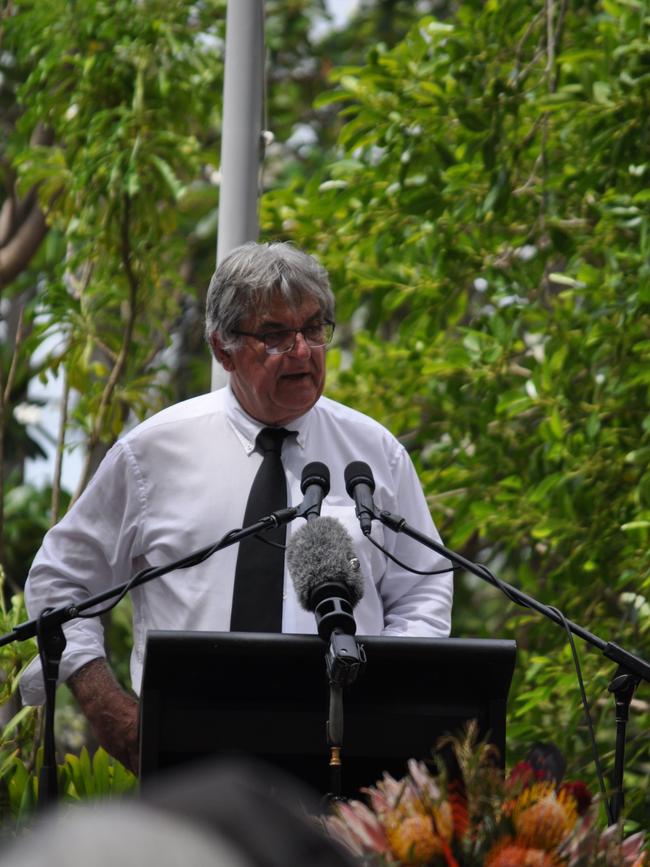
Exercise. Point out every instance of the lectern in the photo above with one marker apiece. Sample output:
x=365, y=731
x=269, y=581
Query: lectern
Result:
x=233, y=694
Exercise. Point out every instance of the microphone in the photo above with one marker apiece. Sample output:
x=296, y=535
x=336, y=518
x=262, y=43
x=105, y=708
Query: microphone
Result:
x=360, y=485
x=325, y=572
x=315, y=485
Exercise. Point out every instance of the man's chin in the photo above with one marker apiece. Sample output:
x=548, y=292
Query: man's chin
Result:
x=301, y=404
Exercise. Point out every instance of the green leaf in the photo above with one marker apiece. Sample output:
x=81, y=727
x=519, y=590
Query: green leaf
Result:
x=472, y=120
x=23, y=714
x=173, y=183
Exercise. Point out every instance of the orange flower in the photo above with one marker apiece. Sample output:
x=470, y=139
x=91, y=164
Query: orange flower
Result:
x=580, y=793
x=413, y=840
x=514, y=853
x=444, y=820
x=543, y=819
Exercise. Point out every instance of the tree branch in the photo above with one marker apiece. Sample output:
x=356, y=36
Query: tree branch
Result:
x=20, y=334
x=127, y=337
x=60, y=445
x=17, y=253
x=5, y=394
x=22, y=223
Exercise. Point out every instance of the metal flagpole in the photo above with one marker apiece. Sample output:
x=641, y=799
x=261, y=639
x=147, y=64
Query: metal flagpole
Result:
x=241, y=140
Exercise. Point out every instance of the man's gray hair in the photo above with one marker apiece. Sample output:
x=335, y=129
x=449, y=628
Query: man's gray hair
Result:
x=252, y=277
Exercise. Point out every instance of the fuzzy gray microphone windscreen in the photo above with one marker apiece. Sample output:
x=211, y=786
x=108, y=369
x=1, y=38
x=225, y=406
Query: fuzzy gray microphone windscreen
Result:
x=321, y=551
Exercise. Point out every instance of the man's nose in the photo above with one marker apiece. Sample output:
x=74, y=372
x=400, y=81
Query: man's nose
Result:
x=301, y=348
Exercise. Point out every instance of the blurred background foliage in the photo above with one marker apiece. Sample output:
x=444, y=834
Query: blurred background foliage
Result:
x=474, y=177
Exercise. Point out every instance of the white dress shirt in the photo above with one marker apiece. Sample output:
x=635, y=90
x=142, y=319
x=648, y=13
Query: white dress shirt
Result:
x=179, y=481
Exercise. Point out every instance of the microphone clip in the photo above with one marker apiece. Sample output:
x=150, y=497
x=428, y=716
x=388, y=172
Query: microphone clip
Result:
x=333, y=610
x=281, y=517
x=345, y=659
x=394, y=522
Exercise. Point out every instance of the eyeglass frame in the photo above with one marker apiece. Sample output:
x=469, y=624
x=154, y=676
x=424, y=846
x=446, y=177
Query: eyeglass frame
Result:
x=260, y=335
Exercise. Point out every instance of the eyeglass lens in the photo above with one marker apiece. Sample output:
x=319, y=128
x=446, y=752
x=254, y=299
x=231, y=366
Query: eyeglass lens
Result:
x=284, y=340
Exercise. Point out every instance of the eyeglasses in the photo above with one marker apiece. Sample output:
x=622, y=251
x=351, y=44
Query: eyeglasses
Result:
x=282, y=340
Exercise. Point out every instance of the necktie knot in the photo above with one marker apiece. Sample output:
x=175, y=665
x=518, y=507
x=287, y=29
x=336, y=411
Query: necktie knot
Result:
x=270, y=439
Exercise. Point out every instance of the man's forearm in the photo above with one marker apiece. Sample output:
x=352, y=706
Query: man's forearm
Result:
x=112, y=713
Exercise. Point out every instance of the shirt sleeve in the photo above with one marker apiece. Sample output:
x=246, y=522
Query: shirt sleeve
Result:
x=89, y=551
x=414, y=605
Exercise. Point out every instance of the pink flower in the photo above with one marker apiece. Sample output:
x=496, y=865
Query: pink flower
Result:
x=583, y=844
x=358, y=827
x=423, y=781
x=632, y=850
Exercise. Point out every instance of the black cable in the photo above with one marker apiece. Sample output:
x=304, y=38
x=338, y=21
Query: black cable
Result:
x=157, y=571
x=585, y=706
x=269, y=542
x=410, y=568
x=576, y=661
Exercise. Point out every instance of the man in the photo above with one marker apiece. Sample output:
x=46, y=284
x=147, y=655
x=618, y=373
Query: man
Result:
x=181, y=479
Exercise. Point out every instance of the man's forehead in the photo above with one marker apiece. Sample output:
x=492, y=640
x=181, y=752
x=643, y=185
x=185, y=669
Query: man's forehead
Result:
x=280, y=312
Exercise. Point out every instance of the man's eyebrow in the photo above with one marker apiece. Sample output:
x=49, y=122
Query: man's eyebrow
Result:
x=281, y=326
x=271, y=323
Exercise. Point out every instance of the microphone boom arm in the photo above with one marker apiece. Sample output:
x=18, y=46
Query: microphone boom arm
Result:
x=57, y=616
x=612, y=651
x=51, y=639
x=629, y=663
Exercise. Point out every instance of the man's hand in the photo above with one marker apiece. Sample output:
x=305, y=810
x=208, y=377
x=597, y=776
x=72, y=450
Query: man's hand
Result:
x=112, y=713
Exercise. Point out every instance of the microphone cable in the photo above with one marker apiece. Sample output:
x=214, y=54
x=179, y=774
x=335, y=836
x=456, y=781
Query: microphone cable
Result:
x=156, y=572
x=411, y=568
x=587, y=713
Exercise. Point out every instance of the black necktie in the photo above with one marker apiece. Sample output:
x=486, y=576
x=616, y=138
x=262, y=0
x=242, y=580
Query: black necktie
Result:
x=259, y=575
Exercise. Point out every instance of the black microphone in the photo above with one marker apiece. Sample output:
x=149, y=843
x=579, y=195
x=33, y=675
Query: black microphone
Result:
x=315, y=485
x=325, y=572
x=360, y=485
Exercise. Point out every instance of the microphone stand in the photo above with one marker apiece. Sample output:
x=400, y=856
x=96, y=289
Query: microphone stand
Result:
x=631, y=668
x=48, y=629
x=345, y=659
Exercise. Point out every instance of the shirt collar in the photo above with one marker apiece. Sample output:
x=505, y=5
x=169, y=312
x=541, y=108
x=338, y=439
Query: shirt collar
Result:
x=246, y=428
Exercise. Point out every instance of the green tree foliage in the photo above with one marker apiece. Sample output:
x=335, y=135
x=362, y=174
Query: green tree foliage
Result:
x=124, y=89
x=486, y=225
x=113, y=126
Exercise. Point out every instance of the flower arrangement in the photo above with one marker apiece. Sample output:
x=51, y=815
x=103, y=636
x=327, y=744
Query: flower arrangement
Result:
x=470, y=816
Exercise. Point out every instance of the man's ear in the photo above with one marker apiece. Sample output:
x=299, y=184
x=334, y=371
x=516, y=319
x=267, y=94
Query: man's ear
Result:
x=222, y=355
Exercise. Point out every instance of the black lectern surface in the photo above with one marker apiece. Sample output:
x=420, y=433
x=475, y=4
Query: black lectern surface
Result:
x=267, y=695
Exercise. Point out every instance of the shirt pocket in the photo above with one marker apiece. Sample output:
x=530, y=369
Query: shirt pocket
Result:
x=371, y=559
